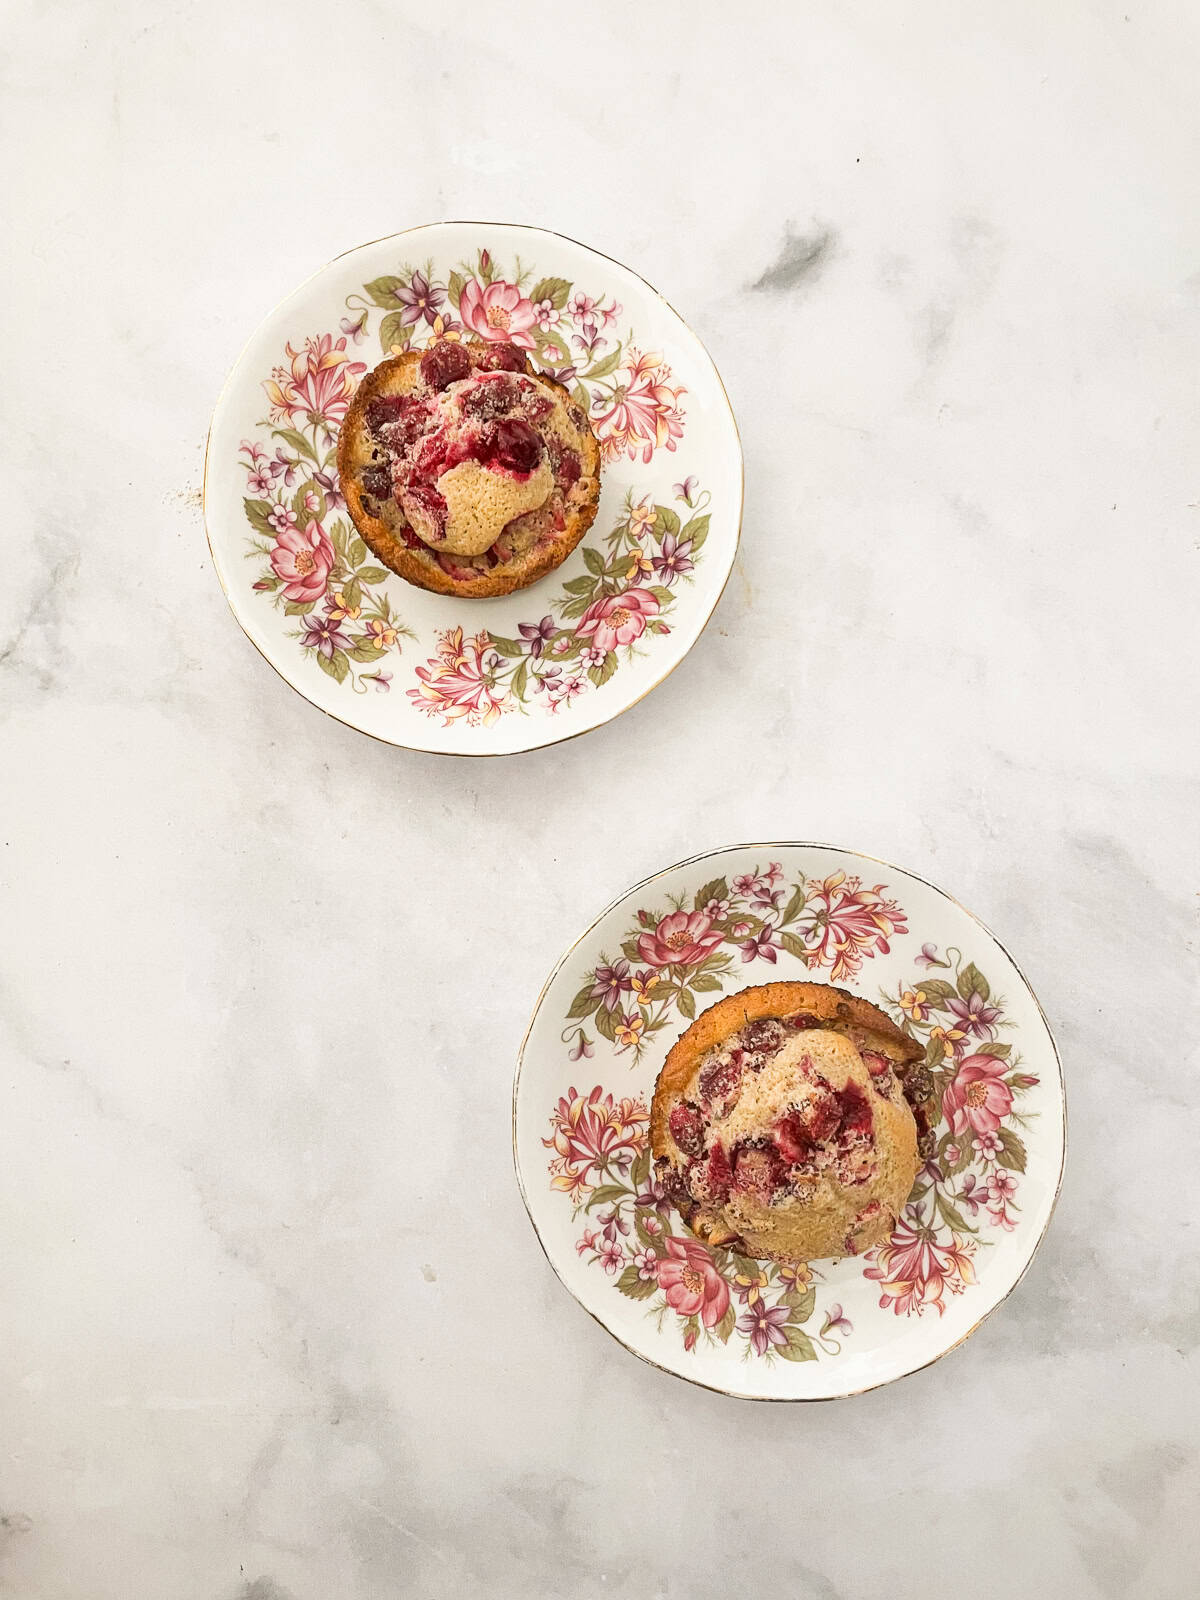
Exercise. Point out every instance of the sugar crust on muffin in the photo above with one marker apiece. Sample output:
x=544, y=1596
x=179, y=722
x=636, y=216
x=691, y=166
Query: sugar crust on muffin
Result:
x=465, y=471
x=786, y=1122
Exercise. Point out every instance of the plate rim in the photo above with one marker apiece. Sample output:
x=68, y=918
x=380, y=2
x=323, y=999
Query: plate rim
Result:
x=403, y=233
x=864, y=855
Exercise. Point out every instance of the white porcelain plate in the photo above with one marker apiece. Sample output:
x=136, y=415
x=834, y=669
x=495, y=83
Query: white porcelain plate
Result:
x=475, y=677
x=624, y=992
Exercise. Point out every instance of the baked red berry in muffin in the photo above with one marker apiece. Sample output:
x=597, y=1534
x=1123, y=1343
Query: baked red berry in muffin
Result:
x=465, y=471
x=781, y=1123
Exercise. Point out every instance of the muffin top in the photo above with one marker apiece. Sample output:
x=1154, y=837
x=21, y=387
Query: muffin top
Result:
x=464, y=469
x=780, y=1123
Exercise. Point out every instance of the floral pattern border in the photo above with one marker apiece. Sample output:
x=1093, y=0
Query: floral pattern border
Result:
x=671, y=957
x=313, y=565
x=971, y=1085
x=967, y=1095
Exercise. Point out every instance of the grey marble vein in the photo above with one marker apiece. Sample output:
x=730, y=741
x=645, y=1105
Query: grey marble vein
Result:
x=800, y=258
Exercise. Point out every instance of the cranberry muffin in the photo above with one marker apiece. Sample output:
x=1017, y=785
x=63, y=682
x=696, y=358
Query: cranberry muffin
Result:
x=465, y=471
x=781, y=1125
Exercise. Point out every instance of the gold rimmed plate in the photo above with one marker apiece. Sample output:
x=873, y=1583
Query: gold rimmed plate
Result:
x=623, y=993
x=435, y=672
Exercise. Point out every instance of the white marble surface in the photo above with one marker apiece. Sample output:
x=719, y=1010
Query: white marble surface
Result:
x=274, y=1324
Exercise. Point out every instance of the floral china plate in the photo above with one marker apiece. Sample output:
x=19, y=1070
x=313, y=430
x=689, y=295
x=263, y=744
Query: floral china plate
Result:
x=618, y=1000
x=429, y=671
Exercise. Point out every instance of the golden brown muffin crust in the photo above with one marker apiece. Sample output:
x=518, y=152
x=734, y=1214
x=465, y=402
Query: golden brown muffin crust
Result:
x=833, y=1007
x=826, y=1225
x=397, y=375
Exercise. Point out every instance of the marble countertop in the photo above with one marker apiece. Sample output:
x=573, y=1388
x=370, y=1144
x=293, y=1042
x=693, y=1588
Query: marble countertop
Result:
x=275, y=1326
